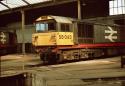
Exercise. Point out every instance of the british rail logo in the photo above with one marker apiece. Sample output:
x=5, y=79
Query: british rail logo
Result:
x=2, y=37
x=112, y=34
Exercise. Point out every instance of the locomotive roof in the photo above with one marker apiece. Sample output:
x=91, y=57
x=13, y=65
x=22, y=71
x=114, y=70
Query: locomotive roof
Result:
x=59, y=19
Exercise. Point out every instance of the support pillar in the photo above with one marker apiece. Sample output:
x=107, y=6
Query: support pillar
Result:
x=23, y=29
x=79, y=9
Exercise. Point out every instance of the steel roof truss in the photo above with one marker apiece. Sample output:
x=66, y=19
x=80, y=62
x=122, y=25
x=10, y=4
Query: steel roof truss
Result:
x=26, y=2
x=5, y=5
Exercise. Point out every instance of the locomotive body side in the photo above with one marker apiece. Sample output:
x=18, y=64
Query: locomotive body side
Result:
x=7, y=42
x=52, y=39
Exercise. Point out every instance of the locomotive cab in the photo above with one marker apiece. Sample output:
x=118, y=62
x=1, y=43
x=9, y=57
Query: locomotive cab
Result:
x=43, y=24
x=54, y=23
x=53, y=31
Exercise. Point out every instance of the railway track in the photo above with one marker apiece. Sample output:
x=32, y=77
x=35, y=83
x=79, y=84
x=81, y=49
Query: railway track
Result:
x=40, y=63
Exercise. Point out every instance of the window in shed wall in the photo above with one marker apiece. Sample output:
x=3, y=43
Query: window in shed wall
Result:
x=116, y=7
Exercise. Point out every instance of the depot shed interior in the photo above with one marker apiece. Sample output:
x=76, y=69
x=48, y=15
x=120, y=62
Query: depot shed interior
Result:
x=23, y=17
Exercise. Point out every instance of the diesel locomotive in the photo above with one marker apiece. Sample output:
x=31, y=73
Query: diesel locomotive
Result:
x=63, y=39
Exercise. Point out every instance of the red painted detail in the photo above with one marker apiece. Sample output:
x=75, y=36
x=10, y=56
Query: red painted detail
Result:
x=3, y=46
x=101, y=45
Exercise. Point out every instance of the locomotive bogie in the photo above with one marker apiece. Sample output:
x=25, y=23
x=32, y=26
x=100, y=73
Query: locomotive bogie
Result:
x=71, y=55
x=91, y=53
x=80, y=54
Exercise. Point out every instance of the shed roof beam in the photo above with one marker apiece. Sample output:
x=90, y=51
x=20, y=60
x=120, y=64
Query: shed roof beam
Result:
x=35, y=6
x=5, y=5
x=26, y=2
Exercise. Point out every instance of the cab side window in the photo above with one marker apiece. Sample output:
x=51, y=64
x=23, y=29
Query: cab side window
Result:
x=51, y=26
x=65, y=27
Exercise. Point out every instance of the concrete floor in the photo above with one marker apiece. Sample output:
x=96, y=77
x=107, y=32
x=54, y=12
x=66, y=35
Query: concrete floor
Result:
x=101, y=72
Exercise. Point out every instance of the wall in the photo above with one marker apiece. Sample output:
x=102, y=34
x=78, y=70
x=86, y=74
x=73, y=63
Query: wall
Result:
x=98, y=8
x=29, y=30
